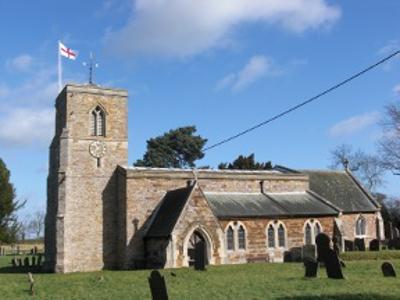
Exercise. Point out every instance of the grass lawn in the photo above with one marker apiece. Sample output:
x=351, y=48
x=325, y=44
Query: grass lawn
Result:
x=252, y=281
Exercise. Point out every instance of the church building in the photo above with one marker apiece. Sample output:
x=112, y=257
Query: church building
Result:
x=104, y=214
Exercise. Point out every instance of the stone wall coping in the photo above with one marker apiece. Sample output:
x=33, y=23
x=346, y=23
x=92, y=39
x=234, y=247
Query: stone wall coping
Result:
x=94, y=89
x=143, y=172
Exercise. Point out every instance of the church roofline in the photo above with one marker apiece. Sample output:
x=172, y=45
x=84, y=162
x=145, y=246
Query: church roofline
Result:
x=136, y=172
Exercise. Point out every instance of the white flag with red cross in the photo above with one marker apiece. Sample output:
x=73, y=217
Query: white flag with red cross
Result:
x=67, y=52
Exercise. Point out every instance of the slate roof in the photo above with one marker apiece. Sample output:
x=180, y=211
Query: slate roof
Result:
x=168, y=213
x=226, y=205
x=341, y=189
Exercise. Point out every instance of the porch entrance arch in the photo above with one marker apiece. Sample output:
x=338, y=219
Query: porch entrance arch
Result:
x=197, y=237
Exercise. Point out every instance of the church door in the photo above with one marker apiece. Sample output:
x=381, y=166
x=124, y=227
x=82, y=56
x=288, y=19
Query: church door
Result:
x=194, y=241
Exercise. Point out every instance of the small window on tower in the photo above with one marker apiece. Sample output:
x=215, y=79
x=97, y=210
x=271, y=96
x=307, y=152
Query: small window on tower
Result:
x=98, y=122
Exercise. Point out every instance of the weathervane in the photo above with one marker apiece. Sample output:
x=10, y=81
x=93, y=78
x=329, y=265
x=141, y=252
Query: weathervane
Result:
x=92, y=64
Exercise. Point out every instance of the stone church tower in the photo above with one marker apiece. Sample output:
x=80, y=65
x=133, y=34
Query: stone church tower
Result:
x=90, y=142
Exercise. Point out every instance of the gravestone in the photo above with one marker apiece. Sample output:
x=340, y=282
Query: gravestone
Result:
x=396, y=233
x=359, y=244
x=328, y=256
x=348, y=245
x=309, y=252
x=14, y=262
x=39, y=261
x=26, y=262
x=19, y=262
x=311, y=266
x=33, y=261
x=157, y=286
x=336, y=247
x=200, y=256
x=296, y=253
x=394, y=244
x=388, y=269
x=374, y=245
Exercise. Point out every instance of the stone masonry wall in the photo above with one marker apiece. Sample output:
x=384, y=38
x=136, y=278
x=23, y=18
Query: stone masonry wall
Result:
x=256, y=237
x=146, y=187
x=349, y=226
x=86, y=225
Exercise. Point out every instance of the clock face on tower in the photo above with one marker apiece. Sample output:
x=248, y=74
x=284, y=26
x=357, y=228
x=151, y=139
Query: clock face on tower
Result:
x=97, y=149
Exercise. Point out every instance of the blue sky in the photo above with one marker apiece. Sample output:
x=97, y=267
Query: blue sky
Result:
x=220, y=65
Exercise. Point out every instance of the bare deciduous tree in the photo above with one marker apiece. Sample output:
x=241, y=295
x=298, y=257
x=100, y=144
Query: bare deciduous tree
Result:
x=389, y=145
x=35, y=223
x=366, y=167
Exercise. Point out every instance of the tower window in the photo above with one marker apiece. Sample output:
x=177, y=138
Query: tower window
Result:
x=98, y=122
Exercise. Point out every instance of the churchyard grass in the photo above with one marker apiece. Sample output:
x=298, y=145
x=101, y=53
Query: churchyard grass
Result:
x=251, y=281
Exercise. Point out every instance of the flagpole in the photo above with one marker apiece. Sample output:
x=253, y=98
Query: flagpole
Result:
x=59, y=69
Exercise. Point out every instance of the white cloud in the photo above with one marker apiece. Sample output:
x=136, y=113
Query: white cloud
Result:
x=21, y=63
x=389, y=48
x=26, y=126
x=396, y=89
x=354, y=124
x=257, y=67
x=180, y=28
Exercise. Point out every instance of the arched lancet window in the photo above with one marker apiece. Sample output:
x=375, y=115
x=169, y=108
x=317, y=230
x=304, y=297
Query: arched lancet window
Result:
x=281, y=236
x=241, y=237
x=360, y=226
x=308, y=234
x=98, y=122
x=271, y=236
x=317, y=229
x=229, y=238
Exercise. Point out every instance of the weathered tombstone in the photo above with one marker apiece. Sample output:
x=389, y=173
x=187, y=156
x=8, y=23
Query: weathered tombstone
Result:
x=19, y=262
x=287, y=256
x=157, y=286
x=14, y=262
x=26, y=262
x=374, y=245
x=336, y=247
x=311, y=266
x=296, y=253
x=328, y=256
x=309, y=252
x=33, y=261
x=200, y=256
x=348, y=245
x=360, y=244
x=388, y=269
x=39, y=261
x=396, y=233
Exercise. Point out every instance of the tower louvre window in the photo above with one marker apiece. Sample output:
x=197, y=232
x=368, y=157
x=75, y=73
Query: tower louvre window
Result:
x=97, y=122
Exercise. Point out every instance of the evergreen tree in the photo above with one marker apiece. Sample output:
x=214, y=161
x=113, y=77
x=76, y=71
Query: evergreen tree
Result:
x=178, y=148
x=8, y=206
x=246, y=163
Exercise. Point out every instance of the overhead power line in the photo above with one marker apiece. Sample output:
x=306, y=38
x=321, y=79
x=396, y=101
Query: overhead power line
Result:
x=293, y=108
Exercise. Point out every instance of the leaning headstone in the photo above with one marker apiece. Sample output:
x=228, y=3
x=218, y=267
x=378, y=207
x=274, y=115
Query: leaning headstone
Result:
x=388, y=269
x=309, y=252
x=374, y=245
x=26, y=262
x=360, y=244
x=348, y=245
x=311, y=266
x=336, y=247
x=328, y=256
x=157, y=286
x=200, y=256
